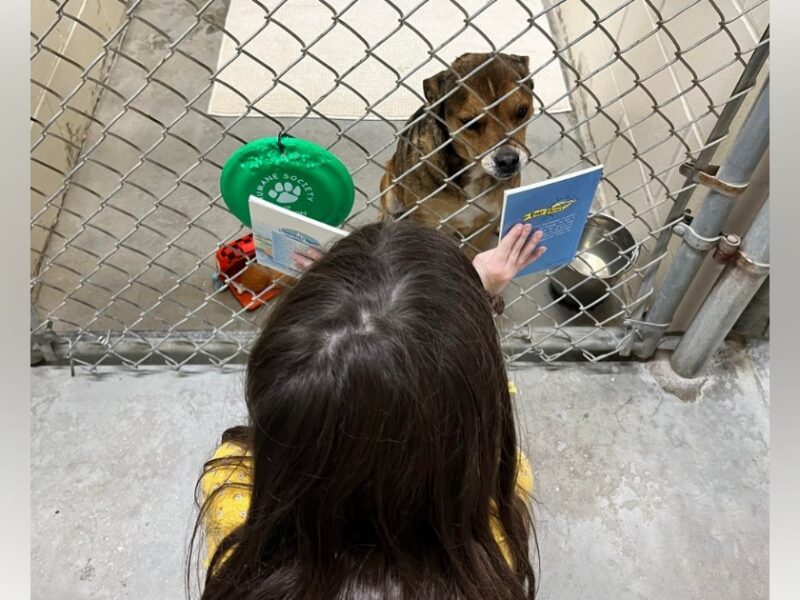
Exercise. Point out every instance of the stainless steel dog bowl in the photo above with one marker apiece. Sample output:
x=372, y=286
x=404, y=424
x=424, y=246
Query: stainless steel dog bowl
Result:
x=606, y=251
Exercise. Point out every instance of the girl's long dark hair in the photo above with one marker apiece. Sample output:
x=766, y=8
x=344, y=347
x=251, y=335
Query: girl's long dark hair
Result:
x=382, y=435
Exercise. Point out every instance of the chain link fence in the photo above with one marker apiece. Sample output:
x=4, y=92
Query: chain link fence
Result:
x=127, y=147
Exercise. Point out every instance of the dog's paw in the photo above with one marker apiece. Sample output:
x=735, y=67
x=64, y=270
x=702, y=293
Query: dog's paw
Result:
x=283, y=193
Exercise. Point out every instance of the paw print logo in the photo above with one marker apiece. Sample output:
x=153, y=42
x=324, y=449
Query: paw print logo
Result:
x=283, y=193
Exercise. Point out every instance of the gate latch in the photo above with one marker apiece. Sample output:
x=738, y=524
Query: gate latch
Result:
x=708, y=178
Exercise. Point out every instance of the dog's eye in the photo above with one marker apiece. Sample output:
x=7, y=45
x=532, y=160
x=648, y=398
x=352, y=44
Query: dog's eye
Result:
x=472, y=126
x=522, y=112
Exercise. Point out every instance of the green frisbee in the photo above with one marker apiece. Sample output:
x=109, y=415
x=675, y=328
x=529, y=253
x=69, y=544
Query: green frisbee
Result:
x=293, y=173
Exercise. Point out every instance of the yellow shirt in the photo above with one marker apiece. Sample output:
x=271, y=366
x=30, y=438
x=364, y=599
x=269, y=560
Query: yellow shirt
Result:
x=233, y=478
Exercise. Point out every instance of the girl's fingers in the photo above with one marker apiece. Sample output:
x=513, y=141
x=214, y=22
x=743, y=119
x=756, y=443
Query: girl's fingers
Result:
x=519, y=242
x=530, y=245
x=533, y=257
x=313, y=253
x=508, y=240
x=305, y=260
x=301, y=261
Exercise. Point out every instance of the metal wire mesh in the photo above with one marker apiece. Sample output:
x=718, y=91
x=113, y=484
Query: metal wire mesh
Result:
x=126, y=224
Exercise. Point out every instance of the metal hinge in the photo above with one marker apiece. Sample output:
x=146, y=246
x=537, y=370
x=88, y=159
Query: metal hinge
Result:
x=725, y=245
x=708, y=178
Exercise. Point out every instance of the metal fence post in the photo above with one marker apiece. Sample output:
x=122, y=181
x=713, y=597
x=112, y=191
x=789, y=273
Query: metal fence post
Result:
x=745, y=154
x=727, y=300
x=754, y=321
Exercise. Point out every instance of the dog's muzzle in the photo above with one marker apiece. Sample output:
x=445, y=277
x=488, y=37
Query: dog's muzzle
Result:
x=505, y=162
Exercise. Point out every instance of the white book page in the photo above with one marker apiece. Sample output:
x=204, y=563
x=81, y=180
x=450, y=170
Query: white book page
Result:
x=278, y=233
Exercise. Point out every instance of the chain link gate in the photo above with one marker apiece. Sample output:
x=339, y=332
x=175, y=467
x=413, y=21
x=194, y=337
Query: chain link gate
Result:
x=126, y=156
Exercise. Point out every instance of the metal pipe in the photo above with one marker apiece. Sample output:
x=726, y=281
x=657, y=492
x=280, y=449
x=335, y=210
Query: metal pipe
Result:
x=574, y=339
x=202, y=347
x=747, y=150
x=147, y=348
x=730, y=296
x=754, y=322
x=570, y=343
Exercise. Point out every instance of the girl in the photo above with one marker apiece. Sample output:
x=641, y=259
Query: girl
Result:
x=380, y=460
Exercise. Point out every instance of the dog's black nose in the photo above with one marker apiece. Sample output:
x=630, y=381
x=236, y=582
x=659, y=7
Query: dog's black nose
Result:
x=507, y=161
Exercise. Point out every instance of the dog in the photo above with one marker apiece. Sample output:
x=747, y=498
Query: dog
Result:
x=456, y=157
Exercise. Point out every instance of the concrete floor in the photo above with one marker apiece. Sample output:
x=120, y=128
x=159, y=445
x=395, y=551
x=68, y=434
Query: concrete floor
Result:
x=648, y=486
x=149, y=190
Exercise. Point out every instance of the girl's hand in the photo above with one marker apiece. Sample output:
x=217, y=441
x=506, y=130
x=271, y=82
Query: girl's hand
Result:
x=303, y=261
x=516, y=250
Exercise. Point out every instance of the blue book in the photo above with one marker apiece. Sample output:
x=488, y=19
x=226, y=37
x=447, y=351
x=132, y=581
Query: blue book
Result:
x=559, y=207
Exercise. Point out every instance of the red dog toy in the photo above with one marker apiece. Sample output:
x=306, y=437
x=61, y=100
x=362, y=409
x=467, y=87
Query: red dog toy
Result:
x=248, y=283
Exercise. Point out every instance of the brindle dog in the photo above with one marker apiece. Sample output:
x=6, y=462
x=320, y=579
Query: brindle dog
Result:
x=452, y=166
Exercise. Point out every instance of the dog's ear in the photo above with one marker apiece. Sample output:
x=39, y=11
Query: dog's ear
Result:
x=437, y=86
x=521, y=64
x=524, y=62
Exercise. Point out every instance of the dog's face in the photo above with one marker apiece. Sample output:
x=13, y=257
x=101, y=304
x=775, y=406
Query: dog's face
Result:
x=494, y=137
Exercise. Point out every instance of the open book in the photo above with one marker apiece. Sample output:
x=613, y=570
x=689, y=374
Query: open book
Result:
x=279, y=233
x=559, y=207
